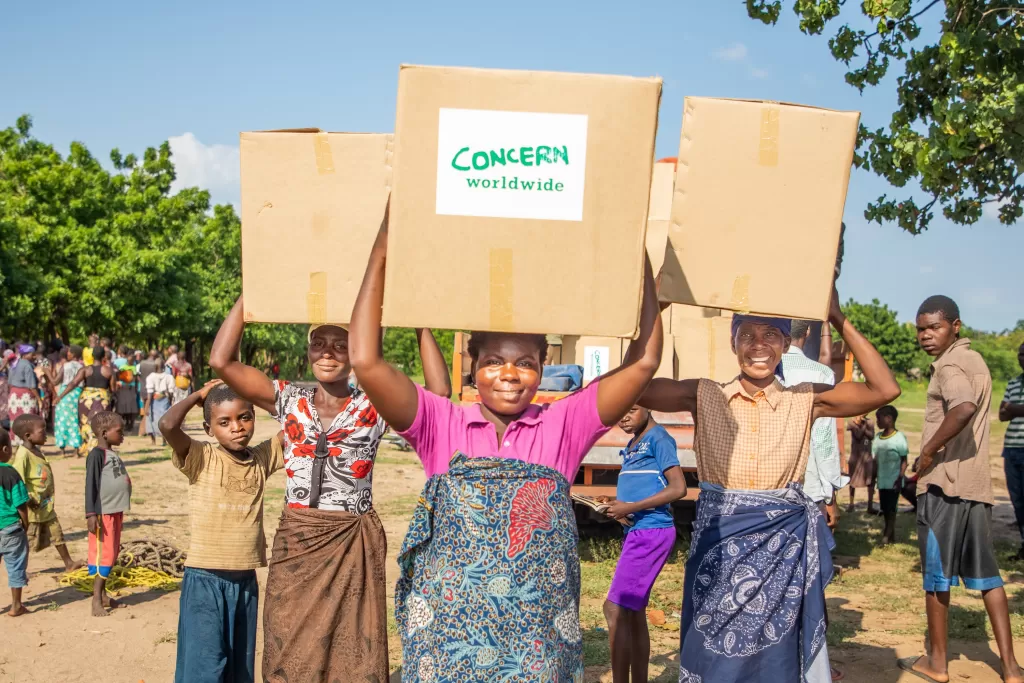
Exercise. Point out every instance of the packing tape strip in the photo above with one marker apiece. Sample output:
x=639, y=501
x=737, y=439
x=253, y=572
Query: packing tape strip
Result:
x=316, y=298
x=501, y=289
x=740, y=300
x=322, y=151
x=768, y=141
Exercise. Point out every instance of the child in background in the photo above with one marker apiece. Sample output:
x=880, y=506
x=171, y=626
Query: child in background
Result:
x=44, y=528
x=649, y=481
x=219, y=594
x=13, y=525
x=889, y=449
x=108, y=493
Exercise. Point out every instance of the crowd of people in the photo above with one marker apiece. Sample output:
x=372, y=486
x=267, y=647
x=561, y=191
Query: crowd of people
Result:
x=67, y=385
x=489, y=585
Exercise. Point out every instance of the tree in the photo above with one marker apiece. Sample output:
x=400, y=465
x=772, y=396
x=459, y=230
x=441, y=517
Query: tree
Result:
x=959, y=127
x=895, y=341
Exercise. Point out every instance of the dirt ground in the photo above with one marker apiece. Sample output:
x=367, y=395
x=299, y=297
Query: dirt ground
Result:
x=876, y=606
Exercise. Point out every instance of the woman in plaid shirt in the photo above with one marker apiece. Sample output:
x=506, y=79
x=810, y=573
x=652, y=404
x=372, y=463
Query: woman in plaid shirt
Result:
x=754, y=596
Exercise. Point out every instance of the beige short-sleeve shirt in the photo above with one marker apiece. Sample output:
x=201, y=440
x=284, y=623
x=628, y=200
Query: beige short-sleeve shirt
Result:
x=961, y=469
x=759, y=442
x=226, y=504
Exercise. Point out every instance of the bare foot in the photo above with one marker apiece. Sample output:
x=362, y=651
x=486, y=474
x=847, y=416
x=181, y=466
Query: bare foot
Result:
x=1014, y=675
x=109, y=602
x=17, y=611
x=74, y=566
x=97, y=609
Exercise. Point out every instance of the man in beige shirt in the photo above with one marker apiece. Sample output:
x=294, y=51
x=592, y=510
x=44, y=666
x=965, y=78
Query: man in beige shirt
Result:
x=954, y=511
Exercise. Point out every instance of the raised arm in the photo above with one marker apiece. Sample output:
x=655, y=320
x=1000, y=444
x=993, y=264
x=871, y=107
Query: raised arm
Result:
x=856, y=398
x=619, y=390
x=436, y=377
x=170, y=423
x=671, y=396
x=390, y=391
x=248, y=382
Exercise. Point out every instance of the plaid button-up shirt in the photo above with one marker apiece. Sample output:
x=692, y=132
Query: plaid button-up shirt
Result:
x=758, y=442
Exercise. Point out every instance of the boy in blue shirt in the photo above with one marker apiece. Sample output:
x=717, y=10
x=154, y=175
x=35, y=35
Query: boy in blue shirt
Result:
x=649, y=481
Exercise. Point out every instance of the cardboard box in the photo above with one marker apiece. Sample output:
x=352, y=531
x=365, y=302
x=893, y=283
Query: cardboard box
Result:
x=703, y=348
x=667, y=368
x=597, y=355
x=679, y=313
x=312, y=204
x=759, y=186
x=659, y=213
x=511, y=185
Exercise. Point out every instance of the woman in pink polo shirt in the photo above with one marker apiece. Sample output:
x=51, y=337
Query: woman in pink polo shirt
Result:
x=490, y=579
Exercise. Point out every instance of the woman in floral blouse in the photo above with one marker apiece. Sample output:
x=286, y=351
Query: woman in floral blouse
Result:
x=325, y=614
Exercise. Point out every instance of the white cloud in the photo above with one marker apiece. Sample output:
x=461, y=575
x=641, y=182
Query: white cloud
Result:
x=926, y=270
x=210, y=167
x=759, y=74
x=991, y=209
x=736, y=52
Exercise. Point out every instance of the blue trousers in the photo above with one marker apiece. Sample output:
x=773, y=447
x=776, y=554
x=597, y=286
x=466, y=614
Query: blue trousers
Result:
x=217, y=626
x=1013, y=466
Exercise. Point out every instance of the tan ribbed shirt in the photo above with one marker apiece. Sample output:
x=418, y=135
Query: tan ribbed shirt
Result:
x=225, y=498
x=758, y=442
x=961, y=469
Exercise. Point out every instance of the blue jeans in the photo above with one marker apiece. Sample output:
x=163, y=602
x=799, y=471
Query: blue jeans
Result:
x=1013, y=466
x=217, y=626
x=14, y=552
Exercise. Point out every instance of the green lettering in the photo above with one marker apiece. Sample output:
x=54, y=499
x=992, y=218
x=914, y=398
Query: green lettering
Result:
x=484, y=164
x=527, y=184
x=558, y=187
x=561, y=152
x=455, y=160
x=473, y=182
x=512, y=158
x=496, y=159
x=542, y=154
x=526, y=155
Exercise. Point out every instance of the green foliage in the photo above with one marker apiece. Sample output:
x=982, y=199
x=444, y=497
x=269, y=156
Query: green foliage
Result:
x=402, y=350
x=958, y=129
x=895, y=341
x=998, y=350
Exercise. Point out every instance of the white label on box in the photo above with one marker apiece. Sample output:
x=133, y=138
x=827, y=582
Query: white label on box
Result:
x=595, y=361
x=509, y=164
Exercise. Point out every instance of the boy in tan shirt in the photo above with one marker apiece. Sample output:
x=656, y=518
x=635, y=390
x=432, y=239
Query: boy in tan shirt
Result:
x=954, y=490
x=219, y=593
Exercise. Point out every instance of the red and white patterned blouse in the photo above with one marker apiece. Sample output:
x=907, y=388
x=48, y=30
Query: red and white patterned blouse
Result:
x=352, y=440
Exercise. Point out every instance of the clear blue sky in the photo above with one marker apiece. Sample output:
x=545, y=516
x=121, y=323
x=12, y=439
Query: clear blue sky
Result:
x=130, y=75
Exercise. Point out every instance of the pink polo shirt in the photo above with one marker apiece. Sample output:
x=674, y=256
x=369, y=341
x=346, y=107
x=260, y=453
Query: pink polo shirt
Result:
x=558, y=435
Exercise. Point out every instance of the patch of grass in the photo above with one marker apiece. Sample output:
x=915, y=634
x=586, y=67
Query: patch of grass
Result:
x=169, y=637
x=600, y=550
x=392, y=622
x=402, y=506
x=139, y=501
x=53, y=606
x=595, y=647
x=839, y=631
x=967, y=624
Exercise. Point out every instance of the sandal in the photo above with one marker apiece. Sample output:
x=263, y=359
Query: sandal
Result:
x=837, y=675
x=907, y=664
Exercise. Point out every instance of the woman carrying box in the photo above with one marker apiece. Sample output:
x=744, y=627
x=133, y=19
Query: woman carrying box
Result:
x=325, y=614
x=754, y=594
x=490, y=581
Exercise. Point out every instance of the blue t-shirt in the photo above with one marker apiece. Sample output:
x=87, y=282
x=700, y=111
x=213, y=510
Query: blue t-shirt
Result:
x=644, y=462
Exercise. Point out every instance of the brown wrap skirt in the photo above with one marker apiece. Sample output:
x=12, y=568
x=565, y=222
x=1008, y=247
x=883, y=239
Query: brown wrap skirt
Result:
x=325, y=612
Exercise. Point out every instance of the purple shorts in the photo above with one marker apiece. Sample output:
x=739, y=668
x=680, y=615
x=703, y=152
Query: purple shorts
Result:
x=644, y=553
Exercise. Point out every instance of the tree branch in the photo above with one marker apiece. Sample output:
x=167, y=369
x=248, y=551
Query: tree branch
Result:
x=915, y=16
